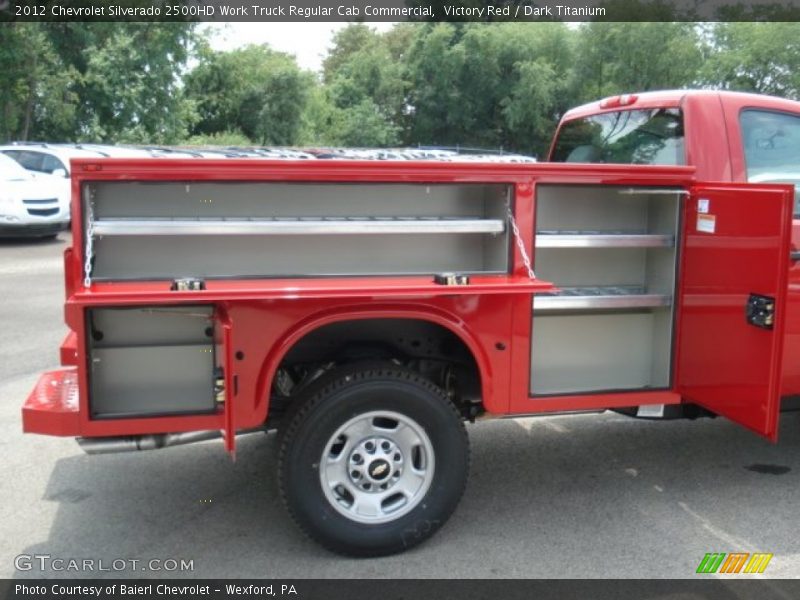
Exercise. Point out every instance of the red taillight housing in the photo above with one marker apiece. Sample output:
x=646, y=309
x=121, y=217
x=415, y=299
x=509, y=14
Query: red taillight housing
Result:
x=619, y=101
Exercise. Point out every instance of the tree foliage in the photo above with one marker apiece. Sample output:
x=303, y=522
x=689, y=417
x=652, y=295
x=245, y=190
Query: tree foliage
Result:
x=220, y=138
x=755, y=57
x=94, y=81
x=491, y=86
x=36, y=94
x=131, y=84
x=256, y=90
x=500, y=85
x=365, y=85
x=615, y=58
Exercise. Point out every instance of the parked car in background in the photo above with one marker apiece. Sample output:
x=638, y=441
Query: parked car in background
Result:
x=51, y=161
x=30, y=205
x=48, y=159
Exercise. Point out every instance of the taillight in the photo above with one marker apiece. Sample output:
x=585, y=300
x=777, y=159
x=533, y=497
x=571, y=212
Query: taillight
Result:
x=617, y=101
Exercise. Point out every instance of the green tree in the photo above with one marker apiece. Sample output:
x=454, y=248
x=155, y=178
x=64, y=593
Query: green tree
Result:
x=755, y=57
x=496, y=86
x=317, y=120
x=363, y=125
x=435, y=63
x=131, y=87
x=616, y=58
x=126, y=78
x=254, y=89
x=360, y=125
x=221, y=138
x=35, y=96
x=365, y=85
x=531, y=110
x=346, y=42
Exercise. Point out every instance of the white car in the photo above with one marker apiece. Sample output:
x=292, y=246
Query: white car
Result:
x=51, y=161
x=30, y=205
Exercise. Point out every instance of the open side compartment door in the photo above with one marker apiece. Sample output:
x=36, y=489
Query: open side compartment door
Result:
x=732, y=300
x=230, y=380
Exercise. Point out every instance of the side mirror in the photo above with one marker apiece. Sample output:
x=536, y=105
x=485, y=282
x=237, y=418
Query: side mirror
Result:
x=59, y=173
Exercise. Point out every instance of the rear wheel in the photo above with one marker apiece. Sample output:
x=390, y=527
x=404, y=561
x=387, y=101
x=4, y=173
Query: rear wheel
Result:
x=374, y=461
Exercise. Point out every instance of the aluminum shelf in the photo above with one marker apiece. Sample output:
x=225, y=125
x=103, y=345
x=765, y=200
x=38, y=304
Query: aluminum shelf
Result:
x=599, y=298
x=602, y=239
x=638, y=191
x=297, y=226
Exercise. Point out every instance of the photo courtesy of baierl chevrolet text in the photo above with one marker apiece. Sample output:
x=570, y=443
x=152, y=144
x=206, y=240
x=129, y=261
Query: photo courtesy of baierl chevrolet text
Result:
x=132, y=590
x=424, y=299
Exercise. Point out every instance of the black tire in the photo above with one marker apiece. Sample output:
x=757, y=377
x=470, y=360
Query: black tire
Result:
x=346, y=395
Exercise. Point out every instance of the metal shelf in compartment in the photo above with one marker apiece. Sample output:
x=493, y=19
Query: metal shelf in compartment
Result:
x=602, y=239
x=599, y=298
x=297, y=226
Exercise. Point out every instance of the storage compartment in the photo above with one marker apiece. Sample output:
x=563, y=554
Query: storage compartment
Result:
x=611, y=251
x=165, y=230
x=582, y=352
x=151, y=361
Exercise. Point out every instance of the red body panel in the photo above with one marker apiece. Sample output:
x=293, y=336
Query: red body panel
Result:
x=69, y=350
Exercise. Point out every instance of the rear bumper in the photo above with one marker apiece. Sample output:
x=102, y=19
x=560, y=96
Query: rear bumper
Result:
x=52, y=406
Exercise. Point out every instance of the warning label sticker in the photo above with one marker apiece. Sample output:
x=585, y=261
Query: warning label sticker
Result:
x=707, y=223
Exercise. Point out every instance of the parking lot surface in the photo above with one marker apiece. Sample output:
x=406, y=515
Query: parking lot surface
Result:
x=577, y=496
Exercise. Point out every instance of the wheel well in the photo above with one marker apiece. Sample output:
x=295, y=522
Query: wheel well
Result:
x=425, y=347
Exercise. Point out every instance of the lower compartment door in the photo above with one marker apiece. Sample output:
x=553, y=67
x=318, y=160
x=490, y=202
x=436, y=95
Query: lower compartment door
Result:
x=151, y=361
x=732, y=301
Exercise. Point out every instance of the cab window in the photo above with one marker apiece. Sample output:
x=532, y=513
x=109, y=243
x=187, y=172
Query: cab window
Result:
x=645, y=137
x=771, y=143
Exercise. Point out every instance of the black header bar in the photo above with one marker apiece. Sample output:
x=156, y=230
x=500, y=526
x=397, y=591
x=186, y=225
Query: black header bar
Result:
x=398, y=10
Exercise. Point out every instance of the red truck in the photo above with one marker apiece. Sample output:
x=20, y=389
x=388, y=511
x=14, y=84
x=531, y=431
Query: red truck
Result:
x=367, y=309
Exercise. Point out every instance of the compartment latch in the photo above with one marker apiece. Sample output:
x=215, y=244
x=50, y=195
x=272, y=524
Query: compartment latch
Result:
x=451, y=279
x=186, y=284
x=760, y=311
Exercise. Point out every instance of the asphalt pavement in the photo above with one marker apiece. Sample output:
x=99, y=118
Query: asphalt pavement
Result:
x=562, y=497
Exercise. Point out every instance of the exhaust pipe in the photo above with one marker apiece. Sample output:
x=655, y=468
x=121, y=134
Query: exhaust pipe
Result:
x=113, y=445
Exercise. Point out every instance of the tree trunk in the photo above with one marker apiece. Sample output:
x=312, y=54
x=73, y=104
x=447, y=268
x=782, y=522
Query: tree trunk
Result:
x=7, y=120
x=26, y=128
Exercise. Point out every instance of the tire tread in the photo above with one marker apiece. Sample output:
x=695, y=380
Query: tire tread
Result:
x=318, y=393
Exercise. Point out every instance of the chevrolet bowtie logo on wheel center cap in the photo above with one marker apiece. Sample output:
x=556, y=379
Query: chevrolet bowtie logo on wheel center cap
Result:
x=379, y=469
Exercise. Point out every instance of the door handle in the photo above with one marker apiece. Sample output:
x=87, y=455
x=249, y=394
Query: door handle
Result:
x=794, y=255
